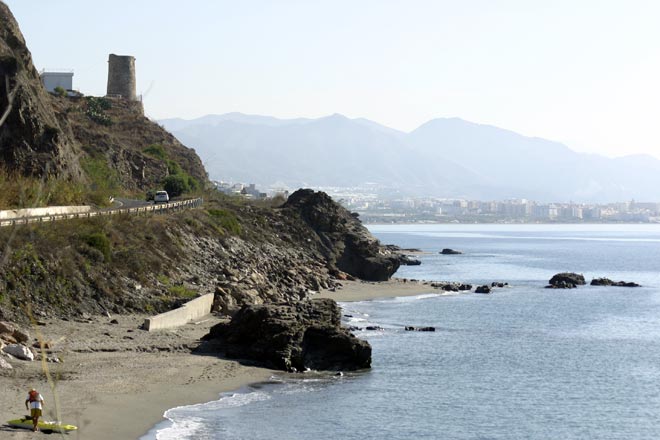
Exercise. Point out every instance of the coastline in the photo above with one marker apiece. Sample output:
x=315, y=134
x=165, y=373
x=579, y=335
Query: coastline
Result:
x=114, y=387
x=116, y=381
x=366, y=290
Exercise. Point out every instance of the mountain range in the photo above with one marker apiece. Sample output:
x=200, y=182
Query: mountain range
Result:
x=446, y=157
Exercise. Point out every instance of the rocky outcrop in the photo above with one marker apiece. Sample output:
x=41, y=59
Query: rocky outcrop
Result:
x=482, y=289
x=293, y=337
x=451, y=286
x=448, y=251
x=609, y=282
x=32, y=141
x=410, y=328
x=345, y=243
x=566, y=280
x=407, y=260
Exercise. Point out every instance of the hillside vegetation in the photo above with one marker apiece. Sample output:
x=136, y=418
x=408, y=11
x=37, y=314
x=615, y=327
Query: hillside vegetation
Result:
x=241, y=252
x=63, y=150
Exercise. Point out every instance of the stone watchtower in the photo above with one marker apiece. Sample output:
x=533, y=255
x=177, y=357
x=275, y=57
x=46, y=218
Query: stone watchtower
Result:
x=121, y=76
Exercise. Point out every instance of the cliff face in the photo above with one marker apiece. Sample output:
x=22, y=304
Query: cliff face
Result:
x=43, y=135
x=140, y=152
x=32, y=141
x=341, y=238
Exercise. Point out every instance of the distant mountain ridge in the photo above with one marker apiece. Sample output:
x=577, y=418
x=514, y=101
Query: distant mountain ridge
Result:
x=445, y=157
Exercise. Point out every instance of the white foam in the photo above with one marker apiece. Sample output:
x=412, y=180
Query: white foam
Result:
x=184, y=424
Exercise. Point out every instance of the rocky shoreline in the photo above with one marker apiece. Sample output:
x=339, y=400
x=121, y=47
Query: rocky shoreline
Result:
x=111, y=371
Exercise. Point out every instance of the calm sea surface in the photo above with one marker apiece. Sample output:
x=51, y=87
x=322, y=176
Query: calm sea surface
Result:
x=522, y=363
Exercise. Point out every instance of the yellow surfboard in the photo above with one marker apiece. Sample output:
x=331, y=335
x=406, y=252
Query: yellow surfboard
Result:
x=26, y=422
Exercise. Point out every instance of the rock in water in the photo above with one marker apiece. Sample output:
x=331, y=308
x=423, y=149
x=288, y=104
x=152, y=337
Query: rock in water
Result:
x=566, y=280
x=448, y=251
x=609, y=282
x=482, y=289
x=292, y=337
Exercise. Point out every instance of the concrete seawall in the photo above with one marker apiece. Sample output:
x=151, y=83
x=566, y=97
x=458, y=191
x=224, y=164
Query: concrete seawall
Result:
x=194, y=309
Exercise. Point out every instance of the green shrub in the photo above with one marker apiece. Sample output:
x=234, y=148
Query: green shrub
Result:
x=100, y=242
x=173, y=168
x=176, y=185
x=181, y=292
x=105, y=180
x=155, y=150
x=226, y=220
x=96, y=108
x=60, y=91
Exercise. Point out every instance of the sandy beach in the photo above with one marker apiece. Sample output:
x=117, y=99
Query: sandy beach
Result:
x=115, y=381
x=365, y=290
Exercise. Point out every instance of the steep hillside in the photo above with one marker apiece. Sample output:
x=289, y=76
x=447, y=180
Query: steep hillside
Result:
x=32, y=140
x=446, y=157
x=104, y=146
x=114, y=135
x=245, y=254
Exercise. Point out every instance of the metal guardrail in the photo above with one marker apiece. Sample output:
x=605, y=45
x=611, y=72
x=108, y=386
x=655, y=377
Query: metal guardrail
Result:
x=156, y=208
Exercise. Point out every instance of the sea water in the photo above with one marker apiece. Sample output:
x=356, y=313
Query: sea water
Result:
x=521, y=363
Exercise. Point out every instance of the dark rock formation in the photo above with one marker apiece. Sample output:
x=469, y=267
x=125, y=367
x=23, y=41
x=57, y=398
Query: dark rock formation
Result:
x=343, y=240
x=482, y=289
x=608, y=282
x=32, y=141
x=498, y=284
x=566, y=280
x=292, y=337
x=451, y=286
x=406, y=260
x=410, y=328
x=448, y=251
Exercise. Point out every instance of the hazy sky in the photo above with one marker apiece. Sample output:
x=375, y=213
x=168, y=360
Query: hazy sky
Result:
x=582, y=72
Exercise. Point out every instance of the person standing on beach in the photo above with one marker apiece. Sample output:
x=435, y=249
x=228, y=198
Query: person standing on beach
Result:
x=35, y=402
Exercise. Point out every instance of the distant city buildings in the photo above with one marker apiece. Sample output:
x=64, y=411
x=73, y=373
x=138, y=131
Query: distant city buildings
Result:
x=432, y=210
x=239, y=189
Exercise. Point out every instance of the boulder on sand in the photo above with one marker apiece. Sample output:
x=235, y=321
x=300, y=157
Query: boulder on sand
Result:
x=292, y=337
x=19, y=351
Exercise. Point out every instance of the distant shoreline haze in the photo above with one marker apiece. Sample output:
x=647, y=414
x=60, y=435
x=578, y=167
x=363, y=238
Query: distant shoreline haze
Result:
x=446, y=157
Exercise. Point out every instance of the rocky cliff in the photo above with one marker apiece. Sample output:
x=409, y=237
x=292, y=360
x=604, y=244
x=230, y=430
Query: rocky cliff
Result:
x=32, y=140
x=99, y=142
x=341, y=238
